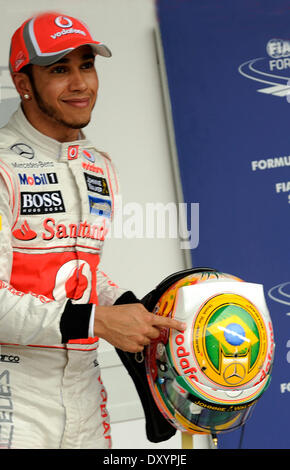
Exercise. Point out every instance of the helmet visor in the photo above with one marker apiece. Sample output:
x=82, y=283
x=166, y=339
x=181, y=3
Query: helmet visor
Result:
x=207, y=418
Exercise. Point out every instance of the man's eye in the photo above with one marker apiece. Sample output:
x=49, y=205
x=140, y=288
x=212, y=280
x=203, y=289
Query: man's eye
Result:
x=58, y=69
x=88, y=65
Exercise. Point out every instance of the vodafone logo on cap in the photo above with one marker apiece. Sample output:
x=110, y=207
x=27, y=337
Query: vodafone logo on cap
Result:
x=63, y=22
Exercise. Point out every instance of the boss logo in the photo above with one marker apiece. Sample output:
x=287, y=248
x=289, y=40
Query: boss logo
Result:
x=9, y=358
x=41, y=202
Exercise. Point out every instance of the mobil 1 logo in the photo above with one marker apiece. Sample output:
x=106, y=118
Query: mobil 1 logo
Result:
x=40, y=179
x=41, y=202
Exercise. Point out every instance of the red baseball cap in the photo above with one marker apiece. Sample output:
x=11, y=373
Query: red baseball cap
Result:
x=47, y=37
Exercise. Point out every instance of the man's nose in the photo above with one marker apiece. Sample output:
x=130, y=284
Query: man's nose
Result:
x=77, y=81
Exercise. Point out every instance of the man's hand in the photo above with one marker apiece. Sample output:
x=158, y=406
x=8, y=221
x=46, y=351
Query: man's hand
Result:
x=130, y=327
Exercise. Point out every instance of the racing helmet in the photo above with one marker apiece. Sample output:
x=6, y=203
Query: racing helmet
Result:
x=208, y=378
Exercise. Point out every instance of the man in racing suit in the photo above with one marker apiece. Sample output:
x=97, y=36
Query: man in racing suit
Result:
x=57, y=199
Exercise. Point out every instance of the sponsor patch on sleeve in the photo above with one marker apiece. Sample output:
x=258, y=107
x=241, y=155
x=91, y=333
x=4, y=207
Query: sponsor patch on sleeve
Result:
x=97, y=184
x=100, y=206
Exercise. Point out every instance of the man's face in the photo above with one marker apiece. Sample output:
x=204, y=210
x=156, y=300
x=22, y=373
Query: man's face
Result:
x=65, y=92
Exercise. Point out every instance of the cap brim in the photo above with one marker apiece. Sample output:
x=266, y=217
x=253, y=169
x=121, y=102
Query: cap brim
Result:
x=101, y=49
x=49, y=59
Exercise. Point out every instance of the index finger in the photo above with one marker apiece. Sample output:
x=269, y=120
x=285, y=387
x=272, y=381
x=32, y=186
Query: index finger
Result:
x=166, y=322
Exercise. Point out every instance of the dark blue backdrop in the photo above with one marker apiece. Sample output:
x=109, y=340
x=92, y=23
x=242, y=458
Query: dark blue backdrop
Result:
x=223, y=124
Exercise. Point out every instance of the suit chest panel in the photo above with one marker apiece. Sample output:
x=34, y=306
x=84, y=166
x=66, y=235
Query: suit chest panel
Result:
x=68, y=201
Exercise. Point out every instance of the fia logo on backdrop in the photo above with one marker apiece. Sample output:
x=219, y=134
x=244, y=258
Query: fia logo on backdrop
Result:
x=271, y=72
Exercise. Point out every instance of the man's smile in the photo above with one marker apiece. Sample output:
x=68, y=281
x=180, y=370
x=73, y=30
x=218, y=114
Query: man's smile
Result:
x=77, y=102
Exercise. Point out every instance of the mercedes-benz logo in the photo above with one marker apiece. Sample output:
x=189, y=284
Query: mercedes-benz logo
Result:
x=234, y=373
x=23, y=150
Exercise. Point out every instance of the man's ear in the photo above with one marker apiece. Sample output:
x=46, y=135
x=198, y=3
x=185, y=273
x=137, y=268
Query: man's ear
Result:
x=22, y=84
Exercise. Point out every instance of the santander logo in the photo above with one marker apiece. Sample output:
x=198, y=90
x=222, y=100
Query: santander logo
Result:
x=60, y=231
x=24, y=232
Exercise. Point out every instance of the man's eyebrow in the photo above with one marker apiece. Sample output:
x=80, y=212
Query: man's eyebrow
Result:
x=88, y=56
x=65, y=60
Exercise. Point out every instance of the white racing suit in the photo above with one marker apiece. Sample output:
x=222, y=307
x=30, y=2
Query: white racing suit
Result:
x=56, y=205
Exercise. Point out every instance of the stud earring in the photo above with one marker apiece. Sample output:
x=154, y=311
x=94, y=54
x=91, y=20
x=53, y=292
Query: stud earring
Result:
x=26, y=96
